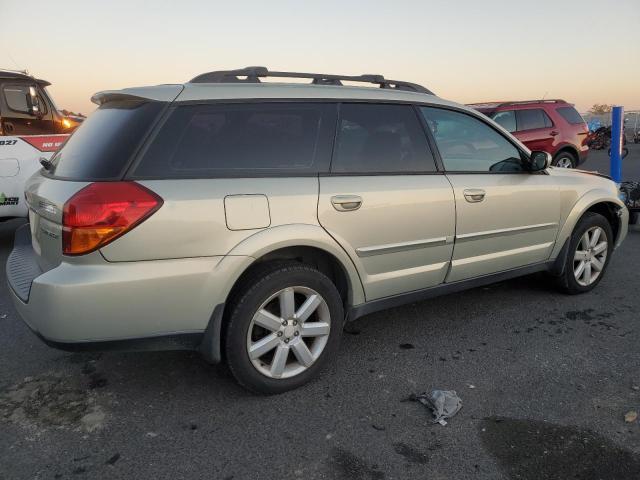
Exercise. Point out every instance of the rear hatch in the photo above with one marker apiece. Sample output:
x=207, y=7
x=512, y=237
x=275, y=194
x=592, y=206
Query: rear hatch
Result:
x=575, y=120
x=99, y=151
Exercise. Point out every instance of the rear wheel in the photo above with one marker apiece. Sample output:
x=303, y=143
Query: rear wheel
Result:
x=590, y=249
x=565, y=160
x=285, y=326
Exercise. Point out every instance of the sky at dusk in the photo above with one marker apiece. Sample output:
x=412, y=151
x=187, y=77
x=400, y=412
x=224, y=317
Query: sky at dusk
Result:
x=466, y=50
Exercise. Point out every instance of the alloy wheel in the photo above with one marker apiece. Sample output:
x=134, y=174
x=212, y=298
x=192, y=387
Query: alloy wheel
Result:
x=564, y=162
x=590, y=256
x=289, y=332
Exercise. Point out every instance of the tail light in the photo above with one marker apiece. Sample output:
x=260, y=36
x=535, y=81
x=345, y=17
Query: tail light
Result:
x=102, y=212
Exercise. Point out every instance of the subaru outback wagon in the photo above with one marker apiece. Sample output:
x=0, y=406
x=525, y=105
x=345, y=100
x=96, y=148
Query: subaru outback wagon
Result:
x=249, y=220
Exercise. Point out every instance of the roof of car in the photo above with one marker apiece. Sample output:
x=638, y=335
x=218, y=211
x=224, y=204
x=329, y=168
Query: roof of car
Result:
x=197, y=92
x=21, y=75
x=248, y=83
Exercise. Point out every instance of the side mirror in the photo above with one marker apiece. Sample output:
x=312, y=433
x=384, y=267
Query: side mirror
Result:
x=539, y=161
x=33, y=101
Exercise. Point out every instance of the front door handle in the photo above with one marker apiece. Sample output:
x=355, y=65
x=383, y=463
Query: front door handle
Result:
x=474, y=195
x=346, y=203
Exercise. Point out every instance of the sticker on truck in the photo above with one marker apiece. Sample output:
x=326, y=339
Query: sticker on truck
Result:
x=4, y=200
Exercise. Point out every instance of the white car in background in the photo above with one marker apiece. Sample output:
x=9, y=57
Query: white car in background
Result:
x=19, y=159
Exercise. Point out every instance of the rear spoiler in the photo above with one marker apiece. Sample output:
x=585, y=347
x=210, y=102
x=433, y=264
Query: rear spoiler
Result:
x=158, y=93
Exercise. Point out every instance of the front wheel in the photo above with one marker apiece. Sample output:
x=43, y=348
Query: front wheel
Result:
x=589, y=253
x=285, y=326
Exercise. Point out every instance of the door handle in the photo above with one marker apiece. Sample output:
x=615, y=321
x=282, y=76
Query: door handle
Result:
x=553, y=133
x=346, y=203
x=474, y=195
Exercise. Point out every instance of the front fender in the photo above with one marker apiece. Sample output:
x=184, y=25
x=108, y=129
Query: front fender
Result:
x=584, y=203
x=301, y=235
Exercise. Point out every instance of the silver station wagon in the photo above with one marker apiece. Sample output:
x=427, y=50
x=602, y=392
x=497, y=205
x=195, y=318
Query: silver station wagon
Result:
x=249, y=220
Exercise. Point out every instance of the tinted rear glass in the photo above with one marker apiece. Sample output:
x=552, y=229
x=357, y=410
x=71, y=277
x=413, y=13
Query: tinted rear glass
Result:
x=571, y=115
x=105, y=142
x=246, y=139
x=381, y=139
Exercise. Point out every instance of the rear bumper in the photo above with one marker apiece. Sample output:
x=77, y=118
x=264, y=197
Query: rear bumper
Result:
x=583, y=154
x=164, y=304
x=22, y=267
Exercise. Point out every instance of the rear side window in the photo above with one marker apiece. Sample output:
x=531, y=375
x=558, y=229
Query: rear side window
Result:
x=571, y=115
x=531, y=119
x=381, y=139
x=105, y=142
x=200, y=141
x=506, y=120
x=16, y=98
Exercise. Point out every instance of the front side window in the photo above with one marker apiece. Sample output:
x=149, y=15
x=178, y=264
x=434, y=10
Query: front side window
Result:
x=467, y=144
x=16, y=98
x=244, y=139
x=532, y=119
x=506, y=120
x=377, y=138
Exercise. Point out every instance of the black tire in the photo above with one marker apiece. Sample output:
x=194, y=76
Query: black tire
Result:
x=565, y=156
x=261, y=284
x=567, y=281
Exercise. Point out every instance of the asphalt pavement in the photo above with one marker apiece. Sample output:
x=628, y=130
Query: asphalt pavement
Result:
x=599, y=160
x=545, y=379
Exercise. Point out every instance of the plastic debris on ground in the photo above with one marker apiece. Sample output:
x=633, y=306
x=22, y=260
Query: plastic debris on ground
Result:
x=443, y=404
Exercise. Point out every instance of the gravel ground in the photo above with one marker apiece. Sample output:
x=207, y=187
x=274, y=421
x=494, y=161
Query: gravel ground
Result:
x=545, y=379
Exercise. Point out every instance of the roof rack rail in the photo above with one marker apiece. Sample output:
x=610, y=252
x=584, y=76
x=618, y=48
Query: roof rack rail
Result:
x=517, y=102
x=253, y=75
x=8, y=70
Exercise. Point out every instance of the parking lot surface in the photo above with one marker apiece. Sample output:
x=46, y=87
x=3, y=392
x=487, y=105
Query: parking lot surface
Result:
x=545, y=379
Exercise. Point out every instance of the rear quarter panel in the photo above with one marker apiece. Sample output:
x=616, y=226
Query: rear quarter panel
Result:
x=192, y=222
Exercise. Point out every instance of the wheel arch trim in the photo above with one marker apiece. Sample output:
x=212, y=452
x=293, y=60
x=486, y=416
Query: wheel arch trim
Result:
x=584, y=203
x=301, y=235
x=260, y=244
x=570, y=148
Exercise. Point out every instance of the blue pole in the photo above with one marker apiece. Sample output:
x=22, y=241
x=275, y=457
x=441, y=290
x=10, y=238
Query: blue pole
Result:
x=617, y=119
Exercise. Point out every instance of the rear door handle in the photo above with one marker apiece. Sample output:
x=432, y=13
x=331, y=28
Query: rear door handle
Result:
x=553, y=133
x=474, y=195
x=346, y=203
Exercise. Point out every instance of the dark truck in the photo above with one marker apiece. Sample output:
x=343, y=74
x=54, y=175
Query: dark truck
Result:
x=26, y=108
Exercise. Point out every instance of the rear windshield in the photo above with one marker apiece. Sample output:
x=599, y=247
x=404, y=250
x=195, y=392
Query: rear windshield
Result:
x=103, y=145
x=201, y=141
x=571, y=115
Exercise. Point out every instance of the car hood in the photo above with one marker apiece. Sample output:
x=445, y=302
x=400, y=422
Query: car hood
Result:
x=593, y=172
x=586, y=178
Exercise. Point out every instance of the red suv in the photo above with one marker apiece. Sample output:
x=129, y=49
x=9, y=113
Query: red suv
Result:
x=553, y=126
